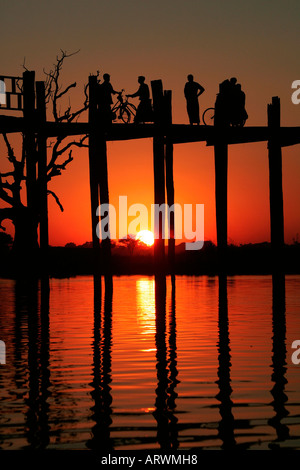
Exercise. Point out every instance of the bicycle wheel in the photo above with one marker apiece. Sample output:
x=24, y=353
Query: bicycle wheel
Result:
x=208, y=116
x=125, y=115
x=131, y=108
x=130, y=105
x=114, y=111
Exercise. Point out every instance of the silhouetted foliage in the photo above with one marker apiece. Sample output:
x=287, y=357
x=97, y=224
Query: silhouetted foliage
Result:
x=130, y=243
x=70, y=245
x=11, y=181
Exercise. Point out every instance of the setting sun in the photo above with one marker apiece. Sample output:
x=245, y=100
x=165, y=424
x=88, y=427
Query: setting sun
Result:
x=146, y=237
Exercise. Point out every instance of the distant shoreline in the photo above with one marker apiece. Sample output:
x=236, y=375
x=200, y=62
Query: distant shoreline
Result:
x=251, y=259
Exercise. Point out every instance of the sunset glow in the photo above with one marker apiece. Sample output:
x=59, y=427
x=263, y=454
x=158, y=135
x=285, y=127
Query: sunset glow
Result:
x=146, y=237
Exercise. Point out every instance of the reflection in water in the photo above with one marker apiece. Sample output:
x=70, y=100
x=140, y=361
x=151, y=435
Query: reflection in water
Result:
x=101, y=393
x=226, y=424
x=167, y=434
x=32, y=414
x=173, y=370
x=72, y=407
x=146, y=305
x=45, y=362
x=36, y=416
x=279, y=358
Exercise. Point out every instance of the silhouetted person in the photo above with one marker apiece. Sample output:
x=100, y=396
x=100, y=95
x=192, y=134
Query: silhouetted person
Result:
x=144, y=110
x=230, y=104
x=192, y=90
x=240, y=100
x=105, y=98
x=222, y=104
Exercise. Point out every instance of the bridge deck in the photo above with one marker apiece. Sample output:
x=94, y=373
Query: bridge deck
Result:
x=177, y=133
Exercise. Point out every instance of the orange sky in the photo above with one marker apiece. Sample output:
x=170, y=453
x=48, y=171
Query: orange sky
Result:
x=168, y=40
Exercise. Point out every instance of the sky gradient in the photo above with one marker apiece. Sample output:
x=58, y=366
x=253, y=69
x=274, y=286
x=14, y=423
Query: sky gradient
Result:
x=255, y=41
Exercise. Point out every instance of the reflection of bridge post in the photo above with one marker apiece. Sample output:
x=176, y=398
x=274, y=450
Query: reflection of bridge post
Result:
x=226, y=425
x=45, y=362
x=165, y=391
x=101, y=392
x=32, y=413
x=160, y=413
x=279, y=357
x=173, y=370
x=38, y=362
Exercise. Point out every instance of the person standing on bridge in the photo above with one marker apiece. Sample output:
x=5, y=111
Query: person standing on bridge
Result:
x=192, y=91
x=144, y=110
x=105, y=98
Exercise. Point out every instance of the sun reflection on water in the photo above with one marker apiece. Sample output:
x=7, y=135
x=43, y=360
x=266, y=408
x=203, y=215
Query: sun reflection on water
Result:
x=145, y=299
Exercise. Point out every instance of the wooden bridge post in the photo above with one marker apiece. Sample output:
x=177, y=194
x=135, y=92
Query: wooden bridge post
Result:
x=275, y=183
x=94, y=169
x=159, y=171
x=169, y=178
x=221, y=183
x=98, y=173
x=42, y=170
x=30, y=153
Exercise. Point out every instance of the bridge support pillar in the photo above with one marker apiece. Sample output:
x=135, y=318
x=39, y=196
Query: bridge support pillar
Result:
x=30, y=154
x=159, y=174
x=275, y=184
x=221, y=183
x=170, y=180
x=42, y=173
x=98, y=180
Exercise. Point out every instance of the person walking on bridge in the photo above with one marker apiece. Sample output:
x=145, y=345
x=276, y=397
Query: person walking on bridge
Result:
x=144, y=110
x=192, y=91
x=105, y=98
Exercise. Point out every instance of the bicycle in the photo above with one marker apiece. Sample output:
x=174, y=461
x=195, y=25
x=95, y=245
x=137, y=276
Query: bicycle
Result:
x=122, y=109
x=208, y=118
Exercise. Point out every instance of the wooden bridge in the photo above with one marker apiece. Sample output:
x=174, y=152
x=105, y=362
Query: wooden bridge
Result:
x=165, y=135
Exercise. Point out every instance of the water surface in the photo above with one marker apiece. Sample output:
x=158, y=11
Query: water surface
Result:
x=190, y=363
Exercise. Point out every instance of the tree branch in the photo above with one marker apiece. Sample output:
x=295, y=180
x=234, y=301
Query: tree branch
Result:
x=56, y=168
x=10, y=150
x=5, y=213
x=62, y=93
x=56, y=199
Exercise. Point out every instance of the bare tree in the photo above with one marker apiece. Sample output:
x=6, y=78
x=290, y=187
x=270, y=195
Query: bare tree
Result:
x=59, y=154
